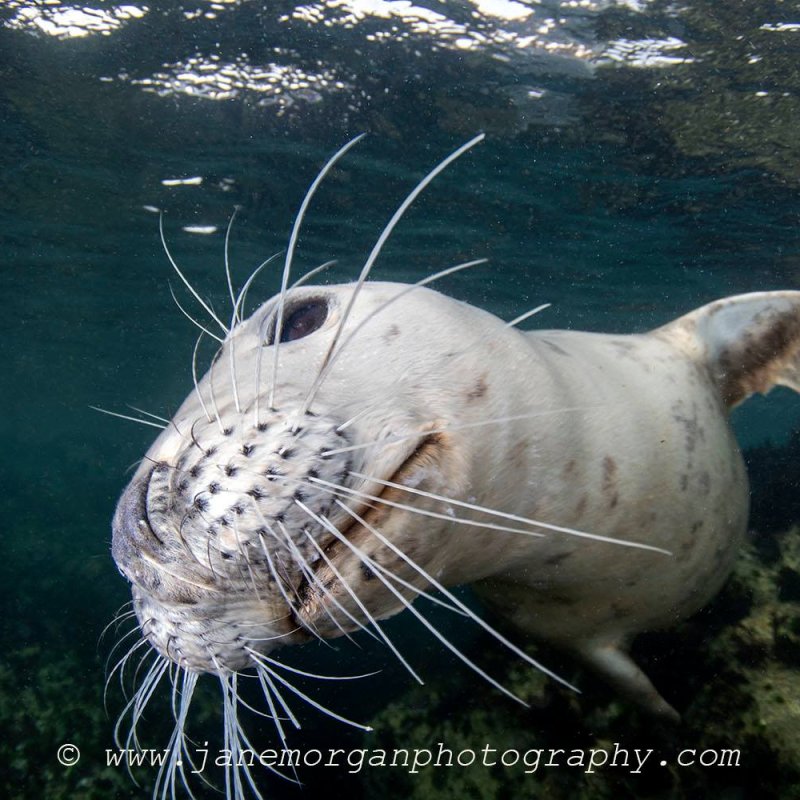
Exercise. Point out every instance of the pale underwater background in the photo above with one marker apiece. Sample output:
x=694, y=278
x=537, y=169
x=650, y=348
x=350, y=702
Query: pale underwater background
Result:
x=640, y=160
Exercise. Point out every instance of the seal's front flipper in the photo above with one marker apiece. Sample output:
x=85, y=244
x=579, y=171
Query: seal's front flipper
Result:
x=749, y=342
x=614, y=665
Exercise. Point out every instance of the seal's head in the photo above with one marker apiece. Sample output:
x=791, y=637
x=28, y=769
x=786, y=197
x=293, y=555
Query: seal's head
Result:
x=254, y=520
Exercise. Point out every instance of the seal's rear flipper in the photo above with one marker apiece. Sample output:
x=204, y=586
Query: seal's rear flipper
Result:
x=749, y=342
x=615, y=666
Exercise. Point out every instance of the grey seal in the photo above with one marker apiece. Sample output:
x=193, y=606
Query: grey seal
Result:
x=355, y=446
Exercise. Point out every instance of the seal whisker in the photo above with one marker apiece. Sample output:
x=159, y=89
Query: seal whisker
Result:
x=298, y=221
x=139, y=701
x=143, y=659
x=465, y=609
x=128, y=417
x=527, y=315
x=448, y=428
x=364, y=610
x=213, y=394
x=514, y=517
x=206, y=587
x=358, y=415
x=312, y=579
x=318, y=676
x=235, y=739
x=120, y=666
x=177, y=750
x=385, y=234
x=119, y=618
x=242, y=296
x=312, y=273
x=197, y=385
x=377, y=571
x=152, y=416
x=269, y=689
x=337, y=488
x=259, y=359
x=191, y=319
x=375, y=252
x=293, y=607
x=416, y=589
x=228, y=278
x=118, y=643
x=279, y=581
x=232, y=361
x=330, y=357
x=185, y=280
x=264, y=663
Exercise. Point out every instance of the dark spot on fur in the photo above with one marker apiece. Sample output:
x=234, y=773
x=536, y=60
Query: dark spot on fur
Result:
x=262, y=426
x=366, y=572
x=213, y=487
x=285, y=453
x=569, y=467
x=183, y=486
x=256, y=493
x=210, y=452
x=227, y=431
x=299, y=495
x=391, y=332
x=610, y=480
x=230, y=470
x=200, y=503
x=555, y=348
x=517, y=454
x=478, y=390
x=280, y=517
x=247, y=449
x=195, y=471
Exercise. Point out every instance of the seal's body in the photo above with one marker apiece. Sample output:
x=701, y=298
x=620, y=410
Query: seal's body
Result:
x=588, y=485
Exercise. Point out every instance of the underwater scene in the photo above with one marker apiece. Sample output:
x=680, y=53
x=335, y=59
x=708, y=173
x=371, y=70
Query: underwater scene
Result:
x=385, y=544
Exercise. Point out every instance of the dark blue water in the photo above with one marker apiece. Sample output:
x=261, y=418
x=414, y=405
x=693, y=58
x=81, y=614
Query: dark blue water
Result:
x=638, y=162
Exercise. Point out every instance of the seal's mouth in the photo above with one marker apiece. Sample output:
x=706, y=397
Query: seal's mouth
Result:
x=375, y=510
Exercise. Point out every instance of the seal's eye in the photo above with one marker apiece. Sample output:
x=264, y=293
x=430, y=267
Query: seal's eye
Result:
x=301, y=321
